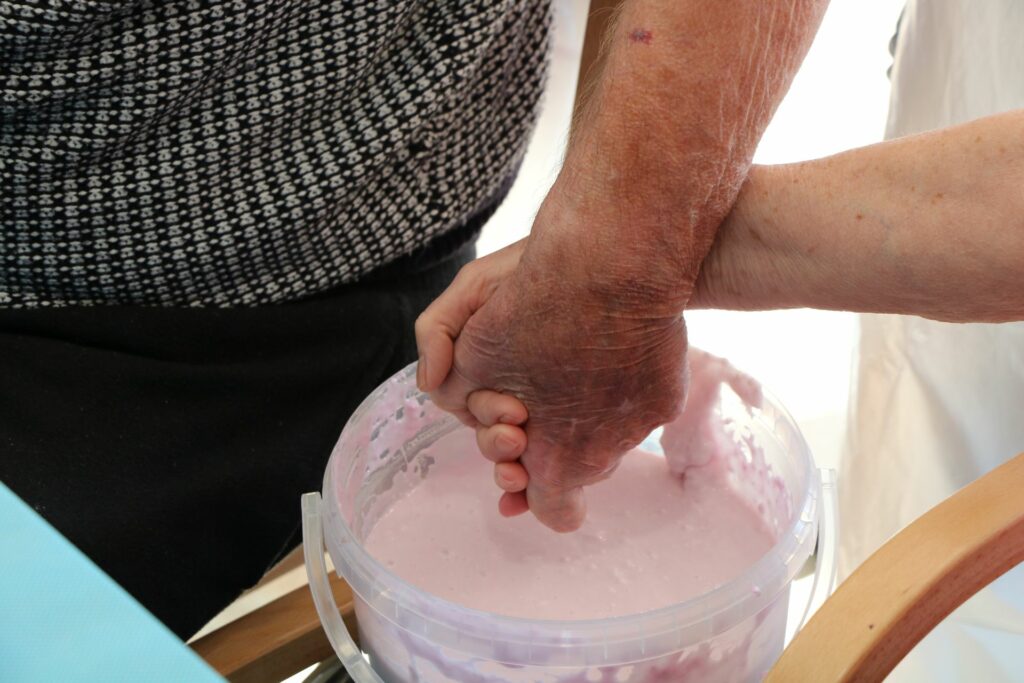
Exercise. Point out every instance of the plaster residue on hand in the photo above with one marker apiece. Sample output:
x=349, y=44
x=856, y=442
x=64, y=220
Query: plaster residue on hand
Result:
x=641, y=35
x=692, y=439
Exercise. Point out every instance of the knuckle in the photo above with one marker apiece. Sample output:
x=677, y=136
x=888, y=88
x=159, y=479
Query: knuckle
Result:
x=444, y=400
x=468, y=272
x=422, y=325
x=477, y=400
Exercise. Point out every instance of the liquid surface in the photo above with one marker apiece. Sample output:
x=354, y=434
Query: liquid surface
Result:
x=651, y=539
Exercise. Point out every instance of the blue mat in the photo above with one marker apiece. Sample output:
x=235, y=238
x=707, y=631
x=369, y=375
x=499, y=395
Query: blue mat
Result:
x=63, y=619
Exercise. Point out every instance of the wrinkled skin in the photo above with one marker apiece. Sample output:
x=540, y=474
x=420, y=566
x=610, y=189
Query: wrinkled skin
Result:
x=587, y=331
x=596, y=366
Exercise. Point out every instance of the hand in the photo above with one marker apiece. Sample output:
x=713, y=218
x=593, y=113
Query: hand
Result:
x=497, y=417
x=587, y=330
x=690, y=440
x=590, y=347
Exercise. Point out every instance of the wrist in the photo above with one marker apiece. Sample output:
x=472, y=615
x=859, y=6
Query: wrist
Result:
x=760, y=258
x=624, y=228
x=606, y=254
x=661, y=196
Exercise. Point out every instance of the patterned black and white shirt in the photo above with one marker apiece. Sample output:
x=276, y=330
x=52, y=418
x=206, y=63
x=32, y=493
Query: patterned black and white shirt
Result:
x=238, y=152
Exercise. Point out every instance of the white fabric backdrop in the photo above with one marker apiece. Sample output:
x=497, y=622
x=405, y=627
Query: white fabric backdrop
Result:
x=937, y=405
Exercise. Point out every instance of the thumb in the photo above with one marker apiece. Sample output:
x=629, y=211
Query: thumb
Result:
x=440, y=324
x=453, y=396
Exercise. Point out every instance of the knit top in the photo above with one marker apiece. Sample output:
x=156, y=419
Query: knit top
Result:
x=240, y=152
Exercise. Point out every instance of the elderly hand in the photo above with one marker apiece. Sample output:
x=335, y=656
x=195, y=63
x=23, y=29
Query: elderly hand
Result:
x=587, y=329
x=594, y=348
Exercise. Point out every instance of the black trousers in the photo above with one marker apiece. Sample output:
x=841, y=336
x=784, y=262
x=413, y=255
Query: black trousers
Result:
x=172, y=445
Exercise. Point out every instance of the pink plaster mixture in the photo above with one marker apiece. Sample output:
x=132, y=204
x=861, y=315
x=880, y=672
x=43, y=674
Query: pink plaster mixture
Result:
x=661, y=530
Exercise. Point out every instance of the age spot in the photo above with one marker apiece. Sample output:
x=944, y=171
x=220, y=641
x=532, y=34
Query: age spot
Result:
x=641, y=35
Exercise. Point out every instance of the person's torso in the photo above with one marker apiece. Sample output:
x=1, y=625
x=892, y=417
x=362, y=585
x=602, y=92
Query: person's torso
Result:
x=231, y=153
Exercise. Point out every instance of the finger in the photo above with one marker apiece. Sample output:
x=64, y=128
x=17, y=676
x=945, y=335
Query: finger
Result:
x=512, y=504
x=440, y=323
x=465, y=417
x=492, y=407
x=559, y=509
x=453, y=395
x=501, y=443
x=511, y=477
x=438, y=326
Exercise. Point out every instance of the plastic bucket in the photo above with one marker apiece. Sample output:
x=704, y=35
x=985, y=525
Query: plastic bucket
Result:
x=732, y=633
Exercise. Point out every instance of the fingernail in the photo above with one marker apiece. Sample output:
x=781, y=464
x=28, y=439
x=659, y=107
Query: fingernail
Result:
x=421, y=373
x=506, y=444
x=506, y=419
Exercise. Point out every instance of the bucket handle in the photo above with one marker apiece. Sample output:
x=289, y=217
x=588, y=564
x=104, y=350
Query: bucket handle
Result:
x=337, y=632
x=826, y=556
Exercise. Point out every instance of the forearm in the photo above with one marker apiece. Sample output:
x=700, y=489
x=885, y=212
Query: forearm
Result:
x=666, y=137
x=931, y=225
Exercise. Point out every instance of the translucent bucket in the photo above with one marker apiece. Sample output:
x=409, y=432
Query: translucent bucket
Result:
x=732, y=633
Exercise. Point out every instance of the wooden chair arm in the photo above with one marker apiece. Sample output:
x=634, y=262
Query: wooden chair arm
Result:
x=912, y=583
x=276, y=641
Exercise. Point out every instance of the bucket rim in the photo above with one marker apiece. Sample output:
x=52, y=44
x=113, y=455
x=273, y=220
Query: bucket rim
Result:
x=699, y=618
